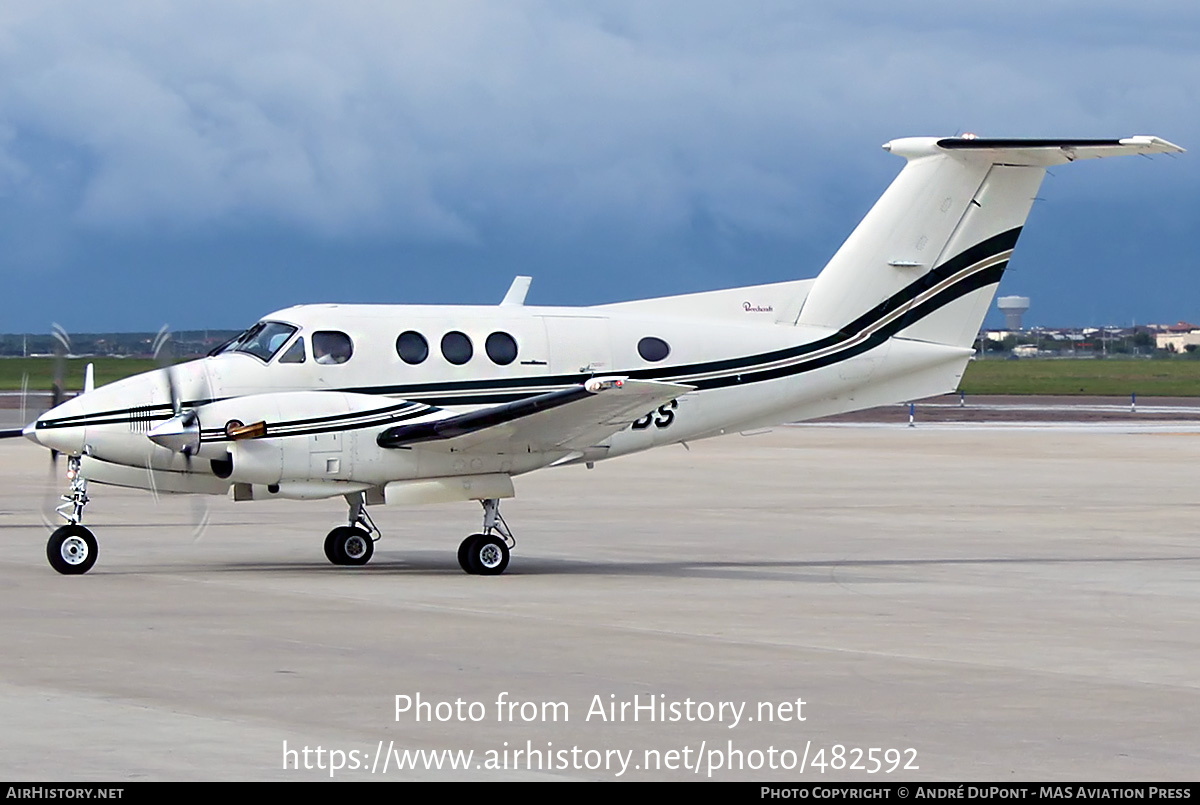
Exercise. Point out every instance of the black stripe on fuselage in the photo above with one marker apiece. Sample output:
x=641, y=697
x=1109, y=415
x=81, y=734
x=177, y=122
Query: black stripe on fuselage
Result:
x=114, y=417
x=122, y=416
x=332, y=424
x=973, y=282
x=332, y=418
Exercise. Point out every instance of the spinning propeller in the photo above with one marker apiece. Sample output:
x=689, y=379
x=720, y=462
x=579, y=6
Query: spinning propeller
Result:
x=181, y=433
x=62, y=348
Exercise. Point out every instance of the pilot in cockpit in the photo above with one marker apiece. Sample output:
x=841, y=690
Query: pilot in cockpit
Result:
x=331, y=347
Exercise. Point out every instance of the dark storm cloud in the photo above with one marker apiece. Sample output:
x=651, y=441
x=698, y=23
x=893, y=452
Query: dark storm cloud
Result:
x=495, y=128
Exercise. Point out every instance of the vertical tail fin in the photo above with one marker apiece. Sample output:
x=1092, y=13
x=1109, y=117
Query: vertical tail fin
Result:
x=925, y=261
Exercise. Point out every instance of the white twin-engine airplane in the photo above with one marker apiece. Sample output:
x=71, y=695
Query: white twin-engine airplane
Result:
x=405, y=404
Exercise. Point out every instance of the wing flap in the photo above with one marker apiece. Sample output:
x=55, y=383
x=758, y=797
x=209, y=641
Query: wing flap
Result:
x=565, y=420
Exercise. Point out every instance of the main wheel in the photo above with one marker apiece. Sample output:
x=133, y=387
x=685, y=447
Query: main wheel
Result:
x=348, y=545
x=488, y=555
x=464, y=553
x=72, y=550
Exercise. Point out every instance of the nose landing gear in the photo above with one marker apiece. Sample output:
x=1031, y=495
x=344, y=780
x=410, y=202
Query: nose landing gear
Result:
x=72, y=549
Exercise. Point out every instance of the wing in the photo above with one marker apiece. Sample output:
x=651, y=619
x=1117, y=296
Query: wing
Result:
x=571, y=419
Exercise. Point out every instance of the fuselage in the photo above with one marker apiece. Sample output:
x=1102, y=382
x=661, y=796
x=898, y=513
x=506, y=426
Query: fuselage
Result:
x=746, y=366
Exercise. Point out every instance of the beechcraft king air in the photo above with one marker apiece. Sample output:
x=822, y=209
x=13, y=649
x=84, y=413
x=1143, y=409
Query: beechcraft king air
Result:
x=403, y=404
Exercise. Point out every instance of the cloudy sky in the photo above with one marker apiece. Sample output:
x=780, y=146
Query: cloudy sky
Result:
x=204, y=163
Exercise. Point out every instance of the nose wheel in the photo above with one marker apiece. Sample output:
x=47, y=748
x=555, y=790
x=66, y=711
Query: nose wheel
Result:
x=72, y=550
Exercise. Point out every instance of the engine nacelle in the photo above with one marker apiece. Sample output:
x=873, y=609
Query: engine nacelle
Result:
x=265, y=439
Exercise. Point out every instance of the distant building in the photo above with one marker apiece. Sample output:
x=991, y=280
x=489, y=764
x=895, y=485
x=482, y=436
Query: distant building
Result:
x=1177, y=337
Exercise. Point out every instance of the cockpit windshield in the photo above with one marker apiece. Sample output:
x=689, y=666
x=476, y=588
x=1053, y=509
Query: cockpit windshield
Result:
x=262, y=340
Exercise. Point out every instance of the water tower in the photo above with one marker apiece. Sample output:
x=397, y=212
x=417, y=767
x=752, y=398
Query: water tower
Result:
x=1014, y=308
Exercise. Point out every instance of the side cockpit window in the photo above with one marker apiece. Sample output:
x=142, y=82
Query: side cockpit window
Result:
x=295, y=353
x=262, y=340
x=331, y=346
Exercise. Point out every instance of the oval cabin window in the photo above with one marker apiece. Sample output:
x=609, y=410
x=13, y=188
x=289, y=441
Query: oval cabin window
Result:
x=412, y=347
x=456, y=347
x=653, y=349
x=501, y=348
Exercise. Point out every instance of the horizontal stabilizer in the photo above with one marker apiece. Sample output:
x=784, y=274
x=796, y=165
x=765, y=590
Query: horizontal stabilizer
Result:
x=570, y=419
x=1039, y=152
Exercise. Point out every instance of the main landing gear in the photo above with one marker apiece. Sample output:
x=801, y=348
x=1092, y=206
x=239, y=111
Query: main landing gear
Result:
x=353, y=544
x=72, y=549
x=487, y=554
x=484, y=554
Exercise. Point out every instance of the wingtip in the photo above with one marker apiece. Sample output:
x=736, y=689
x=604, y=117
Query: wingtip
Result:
x=1154, y=145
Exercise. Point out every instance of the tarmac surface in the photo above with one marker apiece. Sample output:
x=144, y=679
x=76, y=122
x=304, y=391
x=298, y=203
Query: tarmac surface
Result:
x=991, y=602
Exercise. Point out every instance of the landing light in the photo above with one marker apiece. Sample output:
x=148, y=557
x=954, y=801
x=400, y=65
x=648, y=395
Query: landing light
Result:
x=603, y=384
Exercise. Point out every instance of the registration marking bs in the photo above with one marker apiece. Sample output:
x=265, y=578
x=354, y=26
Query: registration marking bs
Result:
x=666, y=415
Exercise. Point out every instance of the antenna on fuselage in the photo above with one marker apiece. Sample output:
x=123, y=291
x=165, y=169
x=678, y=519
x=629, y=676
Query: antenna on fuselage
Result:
x=516, y=292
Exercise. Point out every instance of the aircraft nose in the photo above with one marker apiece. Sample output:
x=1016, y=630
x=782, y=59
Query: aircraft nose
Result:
x=58, y=429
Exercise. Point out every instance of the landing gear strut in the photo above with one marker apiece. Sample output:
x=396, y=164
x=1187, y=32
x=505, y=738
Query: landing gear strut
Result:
x=487, y=554
x=353, y=544
x=72, y=549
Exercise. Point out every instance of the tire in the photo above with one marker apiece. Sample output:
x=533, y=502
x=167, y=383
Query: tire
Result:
x=354, y=546
x=464, y=553
x=488, y=556
x=331, y=547
x=72, y=550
